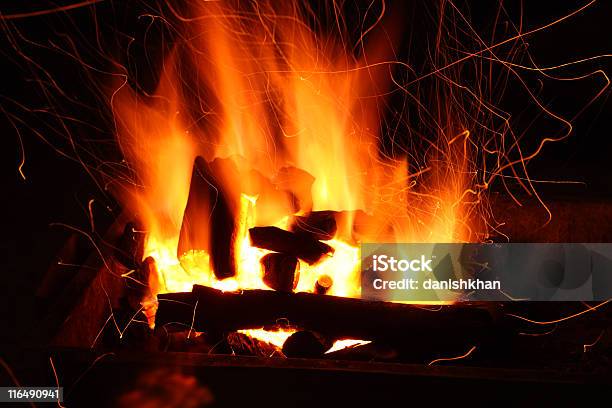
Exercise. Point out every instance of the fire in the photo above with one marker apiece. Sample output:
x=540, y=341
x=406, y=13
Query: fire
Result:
x=278, y=338
x=347, y=343
x=262, y=89
x=179, y=274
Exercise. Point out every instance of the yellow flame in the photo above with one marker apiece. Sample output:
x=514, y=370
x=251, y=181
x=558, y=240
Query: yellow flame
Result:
x=275, y=337
x=346, y=343
x=193, y=267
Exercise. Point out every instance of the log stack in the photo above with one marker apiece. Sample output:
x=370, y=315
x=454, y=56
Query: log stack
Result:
x=209, y=224
x=207, y=309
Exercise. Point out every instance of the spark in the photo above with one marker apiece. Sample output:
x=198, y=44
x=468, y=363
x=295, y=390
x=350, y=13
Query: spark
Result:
x=506, y=41
x=539, y=334
x=132, y=319
x=93, y=242
x=21, y=146
x=90, y=212
x=586, y=347
x=49, y=11
x=95, y=340
x=56, y=381
x=11, y=374
x=463, y=143
x=195, y=308
x=96, y=360
x=562, y=319
x=461, y=357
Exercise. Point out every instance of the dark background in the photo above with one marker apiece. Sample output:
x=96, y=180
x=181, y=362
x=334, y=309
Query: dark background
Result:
x=57, y=189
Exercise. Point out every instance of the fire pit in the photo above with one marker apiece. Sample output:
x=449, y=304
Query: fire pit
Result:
x=256, y=148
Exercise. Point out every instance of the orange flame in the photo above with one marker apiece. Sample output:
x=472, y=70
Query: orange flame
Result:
x=262, y=88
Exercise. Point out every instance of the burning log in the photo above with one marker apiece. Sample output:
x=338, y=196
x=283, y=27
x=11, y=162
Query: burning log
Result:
x=351, y=226
x=210, y=309
x=318, y=224
x=272, y=203
x=299, y=183
x=130, y=246
x=306, y=344
x=323, y=284
x=208, y=221
x=281, y=271
x=242, y=344
x=275, y=239
x=142, y=283
x=137, y=303
x=186, y=341
x=354, y=226
x=138, y=282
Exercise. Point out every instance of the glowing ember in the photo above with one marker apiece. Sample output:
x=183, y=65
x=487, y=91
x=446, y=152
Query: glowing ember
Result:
x=276, y=337
x=342, y=344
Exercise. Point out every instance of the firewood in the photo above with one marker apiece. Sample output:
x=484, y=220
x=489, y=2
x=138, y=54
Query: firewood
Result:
x=357, y=226
x=323, y=284
x=336, y=317
x=130, y=246
x=299, y=183
x=273, y=203
x=318, y=224
x=135, y=333
x=222, y=221
x=281, y=271
x=242, y=344
x=186, y=341
x=209, y=217
x=138, y=281
x=138, y=284
x=275, y=239
x=306, y=344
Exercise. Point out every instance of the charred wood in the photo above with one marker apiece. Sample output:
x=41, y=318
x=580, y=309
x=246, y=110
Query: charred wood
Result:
x=281, y=271
x=299, y=183
x=303, y=247
x=212, y=310
x=306, y=344
x=320, y=225
x=209, y=218
x=129, y=250
x=323, y=284
x=242, y=344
